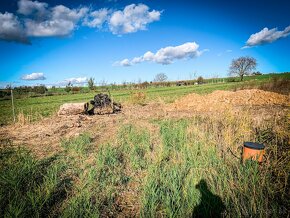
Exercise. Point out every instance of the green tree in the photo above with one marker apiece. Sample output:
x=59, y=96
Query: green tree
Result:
x=68, y=87
x=91, y=83
x=200, y=80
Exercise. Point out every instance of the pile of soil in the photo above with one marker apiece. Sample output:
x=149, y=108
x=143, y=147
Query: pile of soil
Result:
x=220, y=100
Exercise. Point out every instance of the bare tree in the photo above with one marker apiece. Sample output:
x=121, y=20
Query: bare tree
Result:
x=160, y=77
x=243, y=66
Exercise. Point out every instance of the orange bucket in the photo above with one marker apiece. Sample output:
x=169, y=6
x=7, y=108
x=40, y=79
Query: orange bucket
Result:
x=253, y=151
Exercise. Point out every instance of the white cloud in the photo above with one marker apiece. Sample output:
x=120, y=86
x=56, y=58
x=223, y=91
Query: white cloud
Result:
x=132, y=18
x=61, y=22
x=27, y=7
x=34, y=76
x=166, y=55
x=96, y=18
x=11, y=28
x=266, y=36
x=125, y=63
x=38, y=19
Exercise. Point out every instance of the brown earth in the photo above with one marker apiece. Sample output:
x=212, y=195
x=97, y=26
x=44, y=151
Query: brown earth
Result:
x=44, y=137
x=221, y=100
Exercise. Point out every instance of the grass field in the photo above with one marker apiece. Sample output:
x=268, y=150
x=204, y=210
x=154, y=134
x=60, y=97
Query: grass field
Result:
x=36, y=108
x=150, y=166
x=178, y=171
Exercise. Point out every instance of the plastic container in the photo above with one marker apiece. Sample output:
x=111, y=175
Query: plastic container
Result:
x=253, y=151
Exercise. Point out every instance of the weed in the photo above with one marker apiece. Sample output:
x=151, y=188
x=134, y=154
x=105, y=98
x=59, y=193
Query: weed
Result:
x=138, y=98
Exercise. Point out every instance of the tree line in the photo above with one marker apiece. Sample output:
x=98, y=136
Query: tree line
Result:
x=239, y=67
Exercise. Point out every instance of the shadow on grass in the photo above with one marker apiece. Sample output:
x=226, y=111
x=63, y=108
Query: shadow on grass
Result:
x=210, y=205
x=31, y=187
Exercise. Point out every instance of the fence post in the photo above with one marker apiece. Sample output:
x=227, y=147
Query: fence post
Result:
x=13, y=111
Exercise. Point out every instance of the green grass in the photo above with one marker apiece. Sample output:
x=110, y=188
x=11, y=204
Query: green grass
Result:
x=182, y=170
x=36, y=108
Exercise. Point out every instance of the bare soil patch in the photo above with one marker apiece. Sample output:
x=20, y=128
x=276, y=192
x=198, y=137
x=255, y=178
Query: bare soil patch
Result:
x=221, y=100
x=44, y=137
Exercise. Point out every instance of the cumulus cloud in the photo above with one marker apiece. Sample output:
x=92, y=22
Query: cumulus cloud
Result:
x=11, y=29
x=34, y=76
x=125, y=63
x=132, y=18
x=38, y=19
x=27, y=7
x=61, y=22
x=266, y=36
x=166, y=55
x=96, y=19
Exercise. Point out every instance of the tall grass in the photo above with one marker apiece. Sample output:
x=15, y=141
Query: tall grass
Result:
x=189, y=168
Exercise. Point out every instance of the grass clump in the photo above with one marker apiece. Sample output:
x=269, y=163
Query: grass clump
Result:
x=192, y=177
x=138, y=98
x=137, y=146
x=29, y=187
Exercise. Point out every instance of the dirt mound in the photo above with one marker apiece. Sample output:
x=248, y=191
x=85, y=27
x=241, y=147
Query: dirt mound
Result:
x=219, y=100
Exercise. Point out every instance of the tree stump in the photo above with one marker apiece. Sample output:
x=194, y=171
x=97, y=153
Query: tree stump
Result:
x=72, y=109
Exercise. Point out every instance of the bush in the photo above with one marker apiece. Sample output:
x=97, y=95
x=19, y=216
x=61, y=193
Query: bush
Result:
x=68, y=87
x=39, y=89
x=231, y=79
x=91, y=83
x=138, y=98
x=200, y=80
x=76, y=89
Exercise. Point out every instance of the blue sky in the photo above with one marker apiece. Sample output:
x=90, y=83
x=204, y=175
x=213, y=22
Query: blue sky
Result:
x=53, y=42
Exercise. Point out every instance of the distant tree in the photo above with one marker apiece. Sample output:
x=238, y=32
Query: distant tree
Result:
x=41, y=89
x=243, y=66
x=200, y=80
x=124, y=84
x=160, y=77
x=68, y=87
x=257, y=73
x=91, y=83
x=103, y=83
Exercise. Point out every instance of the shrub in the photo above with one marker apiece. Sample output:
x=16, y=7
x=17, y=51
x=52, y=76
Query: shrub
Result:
x=200, y=80
x=138, y=98
x=76, y=89
x=91, y=83
x=68, y=87
x=39, y=89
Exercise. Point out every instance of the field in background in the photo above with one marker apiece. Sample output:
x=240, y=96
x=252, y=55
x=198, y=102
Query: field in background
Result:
x=36, y=108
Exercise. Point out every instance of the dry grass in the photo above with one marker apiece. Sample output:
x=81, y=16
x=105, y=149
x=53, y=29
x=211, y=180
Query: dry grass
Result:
x=275, y=84
x=138, y=98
